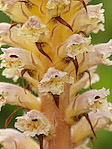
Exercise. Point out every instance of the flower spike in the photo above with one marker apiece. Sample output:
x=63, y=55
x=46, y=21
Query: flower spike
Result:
x=51, y=48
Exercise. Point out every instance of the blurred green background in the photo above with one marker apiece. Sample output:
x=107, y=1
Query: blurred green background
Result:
x=104, y=138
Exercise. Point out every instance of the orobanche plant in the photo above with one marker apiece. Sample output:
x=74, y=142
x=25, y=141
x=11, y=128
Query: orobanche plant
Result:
x=50, y=47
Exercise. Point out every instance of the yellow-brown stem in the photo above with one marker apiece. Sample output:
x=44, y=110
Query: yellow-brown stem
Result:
x=62, y=137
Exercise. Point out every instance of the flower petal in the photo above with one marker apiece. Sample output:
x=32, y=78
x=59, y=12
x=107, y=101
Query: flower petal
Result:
x=56, y=7
x=77, y=44
x=91, y=100
x=100, y=56
x=91, y=21
x=9, y=36
x=33, y=123
x=15, y=95
x=15, y=10
x=54, y=80
x=15, y=59
x=84, y=82
x=34, y=30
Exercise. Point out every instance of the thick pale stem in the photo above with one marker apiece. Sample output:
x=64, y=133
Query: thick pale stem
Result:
x=62, y=137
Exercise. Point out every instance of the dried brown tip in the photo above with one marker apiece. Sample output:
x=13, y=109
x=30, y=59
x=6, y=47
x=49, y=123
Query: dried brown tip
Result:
x=90, y=84
x=63, y=22
x=28, y=87
x=13, y=24
x=77, y=118
x=89, y=121
x=10, y=117
x=40, y=139
x=39, y=46
x=56, y=99
x=84, y=4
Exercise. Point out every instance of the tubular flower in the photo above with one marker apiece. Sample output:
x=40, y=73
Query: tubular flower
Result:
x=10, y=94
x=54, y=80
x=77, y=45
x=11, y=139
x=9, y=36
x=15, y=60
x=91, y=21
x=96, y=99
x=15, y=7
x=99, y=56
x=50, y=49
x=33, y=123
x=99, y=120
x=56, y=7
x=34, y=30
x=91, y=100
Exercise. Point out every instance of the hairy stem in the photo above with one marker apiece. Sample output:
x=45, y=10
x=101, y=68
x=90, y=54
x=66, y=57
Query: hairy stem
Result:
x=61, y=139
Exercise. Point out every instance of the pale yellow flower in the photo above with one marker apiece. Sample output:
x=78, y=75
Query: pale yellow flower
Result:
x=54, y=81
x=56, y=7
x=91, y=21
x=15, y=95
x=91, y=100
x=77, y=44
x=34, y=30
x=99, y=120
x=33, y=123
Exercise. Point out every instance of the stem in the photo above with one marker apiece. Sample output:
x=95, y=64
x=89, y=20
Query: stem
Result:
x=61, y=139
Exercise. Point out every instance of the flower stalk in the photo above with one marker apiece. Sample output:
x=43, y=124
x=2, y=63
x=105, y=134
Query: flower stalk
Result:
x=50, y=47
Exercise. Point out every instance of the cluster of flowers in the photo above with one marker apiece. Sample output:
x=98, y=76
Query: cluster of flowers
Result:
x=51, y=49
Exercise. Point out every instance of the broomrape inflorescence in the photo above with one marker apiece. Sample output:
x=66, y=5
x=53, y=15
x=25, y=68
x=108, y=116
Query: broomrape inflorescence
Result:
x=51, y=48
